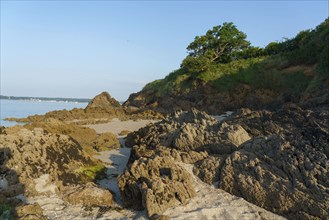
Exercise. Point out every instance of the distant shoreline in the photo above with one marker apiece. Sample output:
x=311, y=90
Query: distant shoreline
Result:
x=23, y=98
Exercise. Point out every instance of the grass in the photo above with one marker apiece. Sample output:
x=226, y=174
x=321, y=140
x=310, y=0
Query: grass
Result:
x=219, y=70
x=175, y=82
x=273, y=73
x=285, y=73
x=263, y=75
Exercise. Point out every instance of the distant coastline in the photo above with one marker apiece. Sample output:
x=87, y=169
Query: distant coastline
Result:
x=42, y=99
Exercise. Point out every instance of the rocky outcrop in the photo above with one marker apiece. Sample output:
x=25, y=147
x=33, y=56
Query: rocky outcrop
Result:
x=103, y=101
x=36, y=162
x=275, y=159
x=208, y=169
x=185, y=137
x=205, y=99
x=104, y=106
x=285, y=167
x=284, y=177
x=155, y=184
x=101, y=109
x=34, y=153
x=179, y=156
x=190, y=131
x=86, y=137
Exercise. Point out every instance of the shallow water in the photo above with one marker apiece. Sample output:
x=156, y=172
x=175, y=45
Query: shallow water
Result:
x=23, y=108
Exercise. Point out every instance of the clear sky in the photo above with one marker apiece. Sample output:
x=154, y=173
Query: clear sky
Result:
x=80, y=48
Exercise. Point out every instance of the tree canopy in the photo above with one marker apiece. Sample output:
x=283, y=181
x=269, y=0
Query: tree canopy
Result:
x=221, y=44
x=225, y=43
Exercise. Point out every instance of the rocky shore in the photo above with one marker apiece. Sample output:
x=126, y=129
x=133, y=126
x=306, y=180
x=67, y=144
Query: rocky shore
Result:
x=101, y=109
x=276, y=160
x=251, y=164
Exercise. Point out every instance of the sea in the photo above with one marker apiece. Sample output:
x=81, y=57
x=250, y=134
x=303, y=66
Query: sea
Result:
x=27, y=107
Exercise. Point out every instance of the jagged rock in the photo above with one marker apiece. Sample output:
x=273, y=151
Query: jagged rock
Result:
x=37, y=163
x=155, y=184
x=284, y=168
x=103, y=101
x=190, y=131
x=86, y=137
x=287, y=178
x=27, y=155
x=275, y=159
x=89, y=195
x=208, y=169
x=179, y=156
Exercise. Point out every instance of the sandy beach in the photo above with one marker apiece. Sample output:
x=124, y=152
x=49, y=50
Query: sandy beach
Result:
x=116, y=126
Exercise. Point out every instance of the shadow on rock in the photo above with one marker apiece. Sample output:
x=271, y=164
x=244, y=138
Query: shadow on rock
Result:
x=12, y=193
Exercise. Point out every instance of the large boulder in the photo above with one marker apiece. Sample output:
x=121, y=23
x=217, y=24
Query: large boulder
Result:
x=290, y=178
x=103, y=101
x=284, y=168
x=155, y=184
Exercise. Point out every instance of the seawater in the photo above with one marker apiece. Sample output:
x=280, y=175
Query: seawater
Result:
x=24, y=108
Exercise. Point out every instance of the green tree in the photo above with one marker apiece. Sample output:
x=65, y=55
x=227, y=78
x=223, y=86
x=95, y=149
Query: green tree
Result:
x=273, y=48
x=221, y=44
x=251, y=52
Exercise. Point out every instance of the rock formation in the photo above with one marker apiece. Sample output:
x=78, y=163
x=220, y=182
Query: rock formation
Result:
x=155, y=184
x=36, y=162
x=191, y=131
x=86, y=137
x=101, y=109
x=277, y=160
x=103, y=101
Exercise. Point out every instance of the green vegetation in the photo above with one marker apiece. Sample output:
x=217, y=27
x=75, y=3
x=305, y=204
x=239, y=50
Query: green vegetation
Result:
x=6, y=212
x=221, y=44
x=176, y=81
x=92, y=172
x=223, y=60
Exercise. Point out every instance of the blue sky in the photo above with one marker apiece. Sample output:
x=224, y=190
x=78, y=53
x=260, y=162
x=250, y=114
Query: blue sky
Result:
x=81, y=48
